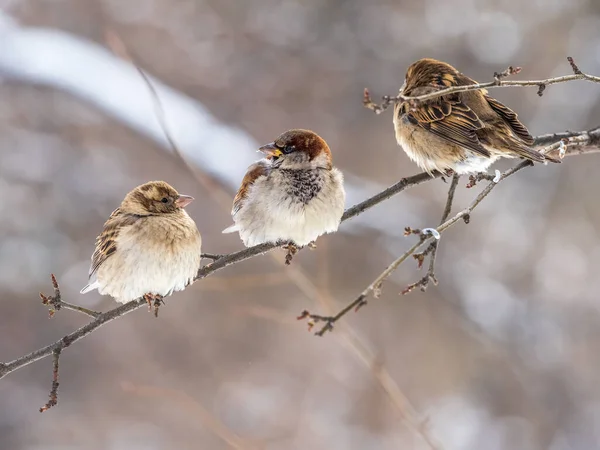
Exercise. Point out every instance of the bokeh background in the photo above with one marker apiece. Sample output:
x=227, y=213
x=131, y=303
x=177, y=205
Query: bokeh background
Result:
x=502, y=354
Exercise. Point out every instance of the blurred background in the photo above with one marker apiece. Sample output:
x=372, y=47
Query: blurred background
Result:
x=502, y=354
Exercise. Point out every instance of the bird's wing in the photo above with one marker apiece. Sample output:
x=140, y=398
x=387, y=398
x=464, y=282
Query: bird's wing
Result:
x=106, y=243
x=449, y=118
x=511, y=119
x=256, y=170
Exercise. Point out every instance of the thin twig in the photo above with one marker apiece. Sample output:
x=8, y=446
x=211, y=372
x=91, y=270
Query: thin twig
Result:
x=361, y=300
x=432, y=249
x=375, y=287
x=400, y=186
x=88, y=312
x=53, y=396
x=212, y=256
x=55, y=302
x=592, y=135
x=364, y=355
x=498, y=81
x=72, y=337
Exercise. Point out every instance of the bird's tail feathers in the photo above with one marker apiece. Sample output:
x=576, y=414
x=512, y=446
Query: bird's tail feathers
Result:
x=89, y=287
x=533, y=155
x=553, y=159
x=231, y=229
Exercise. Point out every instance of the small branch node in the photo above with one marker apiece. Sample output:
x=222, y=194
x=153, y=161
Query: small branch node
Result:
x=408, y=231
x=541, y=89
x=386, y=101
x=474, y=179
x=433, y=279
x=422, y=283
x=327, y=327
x=303, y=315
x=314, y=319
x=498, y=76
x=576, y=70
x=55, y=303
x=212, y=256
x=52, y=301
x=472, y=182
x=363, y=302
x=419, y=257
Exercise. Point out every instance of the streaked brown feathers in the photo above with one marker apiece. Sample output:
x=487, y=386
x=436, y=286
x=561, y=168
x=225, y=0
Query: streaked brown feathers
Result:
x=256, y=170
x=471, y=120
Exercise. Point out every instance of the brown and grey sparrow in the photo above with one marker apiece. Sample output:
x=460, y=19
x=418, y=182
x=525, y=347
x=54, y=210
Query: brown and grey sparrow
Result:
x=149, y=247
x=465, y=132
x=292, y=196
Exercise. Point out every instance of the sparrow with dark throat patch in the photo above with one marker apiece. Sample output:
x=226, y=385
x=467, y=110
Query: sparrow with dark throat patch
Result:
x=292, y=196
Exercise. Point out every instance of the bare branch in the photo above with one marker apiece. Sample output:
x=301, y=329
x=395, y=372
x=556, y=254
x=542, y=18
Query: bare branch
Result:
x=375, y=287
x=498, y=81
x=432, y=249
x=351, y=212
x=70, y=338
x=400, y=186
x=592, y=138
x=205, y=271
x=53, y=397
x=212, y=256
x=577, y=142
x=55, y=302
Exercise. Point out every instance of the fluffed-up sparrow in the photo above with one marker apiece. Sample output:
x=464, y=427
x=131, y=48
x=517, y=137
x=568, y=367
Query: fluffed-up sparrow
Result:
x=464, y=132
x=149, y=247
x=292, y=196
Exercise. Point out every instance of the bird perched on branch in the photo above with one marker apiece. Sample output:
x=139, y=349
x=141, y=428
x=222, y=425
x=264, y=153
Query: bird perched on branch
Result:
x=149, y=247
x=292, y=196
x=464, y=132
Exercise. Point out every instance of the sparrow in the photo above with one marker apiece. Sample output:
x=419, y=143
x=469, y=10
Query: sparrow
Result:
x=464, y=132
x=293, y=195
x=149, y=247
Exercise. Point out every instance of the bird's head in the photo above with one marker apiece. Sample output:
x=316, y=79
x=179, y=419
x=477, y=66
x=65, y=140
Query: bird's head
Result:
x=427, y=75
x=153, y=198
x=298, y=149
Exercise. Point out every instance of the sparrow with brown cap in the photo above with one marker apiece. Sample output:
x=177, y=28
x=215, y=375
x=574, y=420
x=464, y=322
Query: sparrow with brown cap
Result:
x=292, y=196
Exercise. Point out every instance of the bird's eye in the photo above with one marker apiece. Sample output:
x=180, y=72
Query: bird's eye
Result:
x=289, y=149
x=165, y=200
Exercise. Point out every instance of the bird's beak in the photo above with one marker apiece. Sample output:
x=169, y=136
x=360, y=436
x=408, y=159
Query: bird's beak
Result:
x=183, y=200
x=270, y=150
